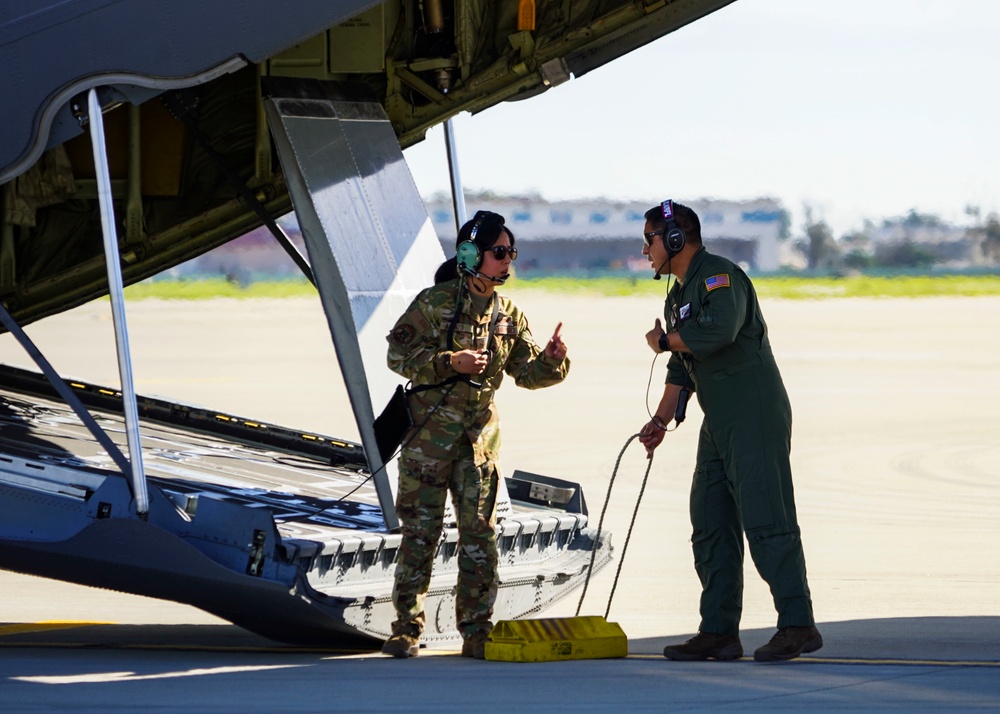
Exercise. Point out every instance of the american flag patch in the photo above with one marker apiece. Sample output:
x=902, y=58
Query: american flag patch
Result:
x=717, y=281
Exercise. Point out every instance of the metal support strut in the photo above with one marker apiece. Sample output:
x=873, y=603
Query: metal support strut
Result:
x=117, y=293
x=457, y=193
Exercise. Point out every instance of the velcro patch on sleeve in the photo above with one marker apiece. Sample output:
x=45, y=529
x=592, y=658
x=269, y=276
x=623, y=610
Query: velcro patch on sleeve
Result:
x=717, y=281
x=418, y=320
x=403, y=333
x=409, y=326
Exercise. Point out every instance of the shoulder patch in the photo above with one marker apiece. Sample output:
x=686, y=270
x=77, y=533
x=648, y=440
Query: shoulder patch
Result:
x=403, y=334
x=418, y=320
x=717, y=281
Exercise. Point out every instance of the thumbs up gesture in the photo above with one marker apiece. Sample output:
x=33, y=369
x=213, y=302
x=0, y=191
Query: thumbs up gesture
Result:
x=653, y=336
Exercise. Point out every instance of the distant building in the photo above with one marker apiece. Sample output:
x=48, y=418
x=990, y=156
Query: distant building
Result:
x=600, y=234
x=552, y=236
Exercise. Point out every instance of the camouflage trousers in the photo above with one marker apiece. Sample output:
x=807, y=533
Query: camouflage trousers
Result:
x=420, y=503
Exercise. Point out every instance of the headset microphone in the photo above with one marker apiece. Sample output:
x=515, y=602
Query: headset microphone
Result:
x=498, y=281
x=657, y=275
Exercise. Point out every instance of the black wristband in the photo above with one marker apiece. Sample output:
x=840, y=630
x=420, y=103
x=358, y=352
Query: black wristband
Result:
x=664, y=343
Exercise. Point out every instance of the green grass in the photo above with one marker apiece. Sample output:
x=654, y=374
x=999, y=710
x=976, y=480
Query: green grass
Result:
x=207, y=288
x=790, y=287
x=881, y=286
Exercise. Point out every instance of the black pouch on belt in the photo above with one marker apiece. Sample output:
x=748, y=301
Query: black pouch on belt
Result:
x=392, y=424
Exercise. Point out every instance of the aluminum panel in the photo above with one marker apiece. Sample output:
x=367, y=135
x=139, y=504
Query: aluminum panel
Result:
x=370, y=241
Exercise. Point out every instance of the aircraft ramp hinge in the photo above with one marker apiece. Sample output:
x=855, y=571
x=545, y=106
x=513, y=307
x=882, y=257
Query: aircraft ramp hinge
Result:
x=255, y=564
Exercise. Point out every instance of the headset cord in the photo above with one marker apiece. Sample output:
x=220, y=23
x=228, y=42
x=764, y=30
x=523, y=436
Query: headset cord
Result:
x=462, y=287
x=600, y=527
x=413, y=435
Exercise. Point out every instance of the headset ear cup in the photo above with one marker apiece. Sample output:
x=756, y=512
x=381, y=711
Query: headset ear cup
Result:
x=468, y=256
x=674, y=240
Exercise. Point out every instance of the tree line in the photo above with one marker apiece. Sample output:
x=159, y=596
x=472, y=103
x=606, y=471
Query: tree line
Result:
x=915, y=241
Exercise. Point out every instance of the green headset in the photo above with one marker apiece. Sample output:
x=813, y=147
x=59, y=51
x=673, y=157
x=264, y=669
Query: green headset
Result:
x=467, y=254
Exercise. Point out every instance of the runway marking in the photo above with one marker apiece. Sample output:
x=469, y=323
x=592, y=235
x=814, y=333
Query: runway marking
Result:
x=105, y=677
x=857, y=660
x=21, y=628
x=917, y=662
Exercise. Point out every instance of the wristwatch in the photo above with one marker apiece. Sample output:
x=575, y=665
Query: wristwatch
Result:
x=664, y=343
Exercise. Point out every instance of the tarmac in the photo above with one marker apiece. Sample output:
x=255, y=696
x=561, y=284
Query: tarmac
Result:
x=895, y=453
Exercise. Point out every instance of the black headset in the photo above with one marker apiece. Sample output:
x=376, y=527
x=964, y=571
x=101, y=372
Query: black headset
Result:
x=467, y=253
x=674, y=238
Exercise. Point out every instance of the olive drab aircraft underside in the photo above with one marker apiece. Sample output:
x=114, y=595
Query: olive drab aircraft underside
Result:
x=155, y=134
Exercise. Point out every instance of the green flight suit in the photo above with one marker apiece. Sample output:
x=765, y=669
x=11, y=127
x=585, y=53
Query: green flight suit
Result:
x=743, y=478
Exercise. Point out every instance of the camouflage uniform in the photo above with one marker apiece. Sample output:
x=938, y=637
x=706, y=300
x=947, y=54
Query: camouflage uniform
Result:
x=457, y=445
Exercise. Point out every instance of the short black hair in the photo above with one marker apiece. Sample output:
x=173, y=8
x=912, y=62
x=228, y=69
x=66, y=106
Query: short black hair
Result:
x=686, y=218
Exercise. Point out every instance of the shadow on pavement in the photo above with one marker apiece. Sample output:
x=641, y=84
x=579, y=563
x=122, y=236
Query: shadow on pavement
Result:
x=975, y=639
x=938, y=639
x=162, y=637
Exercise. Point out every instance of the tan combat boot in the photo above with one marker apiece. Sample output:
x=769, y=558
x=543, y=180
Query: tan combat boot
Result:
x=401, y=645
x=475, y=646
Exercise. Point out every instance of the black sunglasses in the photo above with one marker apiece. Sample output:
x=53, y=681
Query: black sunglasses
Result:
x=501, y=251
x=647, y=238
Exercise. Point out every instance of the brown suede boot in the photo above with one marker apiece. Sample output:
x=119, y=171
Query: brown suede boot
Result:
x=789, y=643
x=401, y=645
x=475, y=646
x=706, y=645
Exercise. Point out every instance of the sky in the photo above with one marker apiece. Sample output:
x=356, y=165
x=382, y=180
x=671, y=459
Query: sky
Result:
x=852, y=110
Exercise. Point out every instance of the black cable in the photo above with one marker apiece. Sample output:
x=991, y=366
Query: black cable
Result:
x=600, y=524
x=399, y=449
x=686, y=359
x=656, y=421
x=686, y=389
x=451, y=385
x=649, y=383
x=628, y=536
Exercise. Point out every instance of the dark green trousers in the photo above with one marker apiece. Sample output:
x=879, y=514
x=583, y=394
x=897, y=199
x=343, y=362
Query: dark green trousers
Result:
x=743, y=485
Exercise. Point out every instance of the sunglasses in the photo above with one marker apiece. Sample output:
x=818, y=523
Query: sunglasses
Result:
x=647, y=238
x=501, y=251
